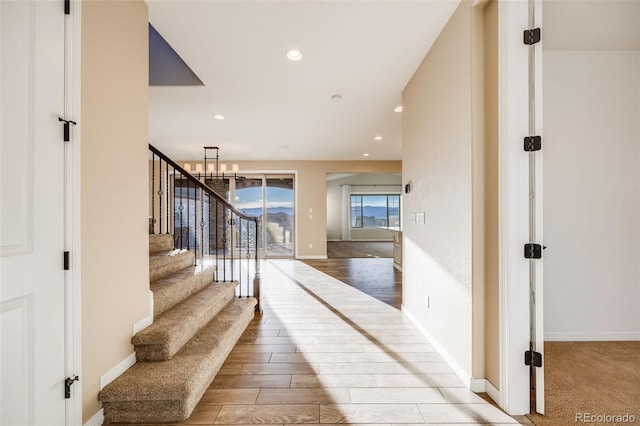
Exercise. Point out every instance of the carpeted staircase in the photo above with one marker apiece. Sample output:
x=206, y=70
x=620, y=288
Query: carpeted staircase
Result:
x=197, y=321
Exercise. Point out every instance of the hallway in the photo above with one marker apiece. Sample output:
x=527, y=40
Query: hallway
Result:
x=324, y=352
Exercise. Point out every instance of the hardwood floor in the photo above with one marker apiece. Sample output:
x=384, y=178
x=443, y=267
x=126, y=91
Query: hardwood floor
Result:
x=374, y=276
x=367, y=249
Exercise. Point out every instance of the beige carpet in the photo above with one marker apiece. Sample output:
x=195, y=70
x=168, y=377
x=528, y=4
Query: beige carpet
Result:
x=599, y=378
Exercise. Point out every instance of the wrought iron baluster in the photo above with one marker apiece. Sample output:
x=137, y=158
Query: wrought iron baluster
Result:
x=181, y=208
x=168, y=192
x=173, y=203
x=160, y=197
x=224, y=245
x=153, y=199
x=188, y=217
x=248, y=258
x=239, y=240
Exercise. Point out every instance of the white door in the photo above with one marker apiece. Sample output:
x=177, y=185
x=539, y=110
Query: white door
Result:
x=32, y=231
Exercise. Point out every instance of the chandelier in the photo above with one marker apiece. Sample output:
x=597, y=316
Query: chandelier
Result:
x=212, y=170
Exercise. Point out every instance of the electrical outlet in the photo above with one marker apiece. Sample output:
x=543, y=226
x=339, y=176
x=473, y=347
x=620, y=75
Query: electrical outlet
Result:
x=310, y=245
x=426, y=302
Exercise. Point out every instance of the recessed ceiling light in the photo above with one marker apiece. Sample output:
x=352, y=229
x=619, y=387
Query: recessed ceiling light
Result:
x=365, y=154
x=377, y=138
x=398, y=108
x=294, y=55
x=219, y=117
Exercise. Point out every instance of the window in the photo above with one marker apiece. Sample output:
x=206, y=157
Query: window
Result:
x=375, y=211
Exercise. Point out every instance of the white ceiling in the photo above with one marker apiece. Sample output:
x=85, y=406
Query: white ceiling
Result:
x=276, y=109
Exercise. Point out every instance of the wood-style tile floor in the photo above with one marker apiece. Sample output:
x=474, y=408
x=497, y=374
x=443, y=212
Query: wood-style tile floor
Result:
x=323, y=352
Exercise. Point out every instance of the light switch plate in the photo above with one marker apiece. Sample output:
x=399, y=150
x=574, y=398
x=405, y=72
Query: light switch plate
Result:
x=420, y=218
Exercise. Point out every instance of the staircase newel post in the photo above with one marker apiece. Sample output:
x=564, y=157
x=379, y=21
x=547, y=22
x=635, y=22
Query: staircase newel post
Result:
x=256, y=278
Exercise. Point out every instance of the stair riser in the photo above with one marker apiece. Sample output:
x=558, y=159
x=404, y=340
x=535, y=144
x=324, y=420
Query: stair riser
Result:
x=160, y=242
x=167, y=265
x=185, y=285
x=146, y=353
x=143, y=411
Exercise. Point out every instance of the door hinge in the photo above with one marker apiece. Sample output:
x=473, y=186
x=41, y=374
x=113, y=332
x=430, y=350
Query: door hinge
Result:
x=65, y=261
x=533, y=358
x=65, y=133
x=67, y=385
x=67, y=7
x=532, y=143
x=532, y=36
x=532, y=251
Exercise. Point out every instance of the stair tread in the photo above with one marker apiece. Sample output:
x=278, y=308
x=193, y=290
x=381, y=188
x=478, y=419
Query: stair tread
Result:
x=182, y=379
x=172, y=329
x=176, y=287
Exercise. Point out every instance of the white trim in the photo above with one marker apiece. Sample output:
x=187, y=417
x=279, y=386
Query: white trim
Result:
x=73, y=299
x=580, y=336
x=362, y=240
x=513, y=206
x=96, y=420
x=492, y=391
x=146, y=321
x=478, y=385
x=312, y=257
x=457, y=369
x=117, y=371
x=485, y=386
x=539, y=212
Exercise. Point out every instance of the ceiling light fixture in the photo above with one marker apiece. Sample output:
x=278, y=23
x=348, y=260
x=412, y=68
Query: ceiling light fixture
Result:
x=219, y=117
x=366, y=154
x=398, y=108
x=377, y=138
x=215, y=170
x=294, y=55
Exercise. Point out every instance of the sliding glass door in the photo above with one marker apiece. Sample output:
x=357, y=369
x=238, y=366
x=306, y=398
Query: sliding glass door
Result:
x=271, y=197
x=279, y=209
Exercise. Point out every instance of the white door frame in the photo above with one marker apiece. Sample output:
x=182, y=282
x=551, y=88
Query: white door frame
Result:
x=73, y=300
x=514, y=202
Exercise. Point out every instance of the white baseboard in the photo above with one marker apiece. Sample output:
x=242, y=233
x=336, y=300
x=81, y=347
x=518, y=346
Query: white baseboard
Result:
x=116, y=371
x=592, y=337
x=146, y=321
x=457, y=369
x=367, y=240
x=311, y=257
x=485, y=386
x=96, y=420
x=478, y=386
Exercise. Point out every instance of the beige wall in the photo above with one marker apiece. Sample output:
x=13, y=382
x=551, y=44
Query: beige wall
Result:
x=450, y=154
x=115, y=260
x=437, y=158
x=311, y=192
